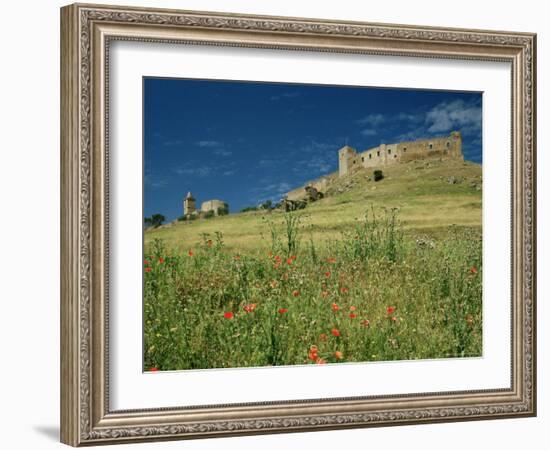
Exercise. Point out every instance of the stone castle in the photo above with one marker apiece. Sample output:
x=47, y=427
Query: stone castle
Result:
x=217, y=207
x=350, y=160
x=448, y=147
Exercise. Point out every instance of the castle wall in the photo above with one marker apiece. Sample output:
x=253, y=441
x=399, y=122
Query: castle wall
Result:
x=349, y=160
x=212, y=205
x=448, y=147
x=321, y=184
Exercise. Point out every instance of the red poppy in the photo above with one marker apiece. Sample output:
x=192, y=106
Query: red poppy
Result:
x=320, y=361
x=390, y=310
x=331, y=260
x=161, y=260
x=365, y=323
x=190, y=253
x=394, y=319
x=335, y=332
x=228, y=315
x=236, y=257
x=344, y=290
x=250, y=307
x=295, y=293
x=147, y=269
x=289, y=261
x=312, y=353
x=283, y=310
x=146, y=262
x=352, y=315
x=153, y=369
x=327, y=274
x=335, y=307
x=277, y=258
x=338, y=354
x=473, y=270
x=352, y=308
x=293, y=257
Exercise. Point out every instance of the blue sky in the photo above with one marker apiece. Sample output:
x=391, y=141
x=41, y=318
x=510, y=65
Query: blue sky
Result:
x=246, y=142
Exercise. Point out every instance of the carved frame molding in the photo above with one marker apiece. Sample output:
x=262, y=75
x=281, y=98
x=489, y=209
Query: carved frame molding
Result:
x=86, y=31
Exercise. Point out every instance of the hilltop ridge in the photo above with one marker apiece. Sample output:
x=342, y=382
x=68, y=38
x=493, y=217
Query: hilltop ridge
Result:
x=431, y=195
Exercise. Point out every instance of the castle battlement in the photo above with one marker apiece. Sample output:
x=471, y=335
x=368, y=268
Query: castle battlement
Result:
x=447, y=147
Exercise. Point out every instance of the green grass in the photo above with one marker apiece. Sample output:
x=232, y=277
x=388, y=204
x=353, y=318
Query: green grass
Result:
x=380, y=274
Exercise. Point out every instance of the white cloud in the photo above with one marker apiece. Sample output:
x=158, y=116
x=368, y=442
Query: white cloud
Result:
x=267, y=162
x=369, y=132
x=222, y=152
x=208, y=143
x=155, y=183
x=173, y=142
x=453, y=115
x=372, y=120
x=199, y=171
x=443, y=118
x=217, y=147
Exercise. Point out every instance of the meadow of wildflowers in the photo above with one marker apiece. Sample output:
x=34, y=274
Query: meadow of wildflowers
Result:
x=374, y=294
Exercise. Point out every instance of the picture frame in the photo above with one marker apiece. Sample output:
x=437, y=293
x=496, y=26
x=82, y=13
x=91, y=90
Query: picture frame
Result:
x=87, y=32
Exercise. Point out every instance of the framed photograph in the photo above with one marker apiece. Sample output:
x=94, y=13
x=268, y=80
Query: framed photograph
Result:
x=276, y=224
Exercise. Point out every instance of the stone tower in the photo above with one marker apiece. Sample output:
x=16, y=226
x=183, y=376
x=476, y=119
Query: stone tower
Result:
x=346, y=159
x=189, y=206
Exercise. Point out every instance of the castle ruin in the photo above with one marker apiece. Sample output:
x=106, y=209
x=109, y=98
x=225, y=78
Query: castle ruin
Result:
x=350, y=160
x=214, y=205
x=218, y=207
x=448, y=147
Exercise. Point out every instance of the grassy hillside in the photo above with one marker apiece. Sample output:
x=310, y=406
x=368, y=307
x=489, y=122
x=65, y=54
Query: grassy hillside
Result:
x=325, y=284
x=430, y=195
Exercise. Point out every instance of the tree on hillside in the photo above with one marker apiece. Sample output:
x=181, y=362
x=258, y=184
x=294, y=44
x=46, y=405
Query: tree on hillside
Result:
x=268, y=204
x=154, y=221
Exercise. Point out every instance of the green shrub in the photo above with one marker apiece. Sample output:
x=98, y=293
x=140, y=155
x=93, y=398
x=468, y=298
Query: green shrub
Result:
x=378, y=175
x=223, y=211
x=208, y=214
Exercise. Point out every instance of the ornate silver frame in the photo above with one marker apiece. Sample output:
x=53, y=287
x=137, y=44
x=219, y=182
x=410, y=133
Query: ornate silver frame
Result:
x=86, y=31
